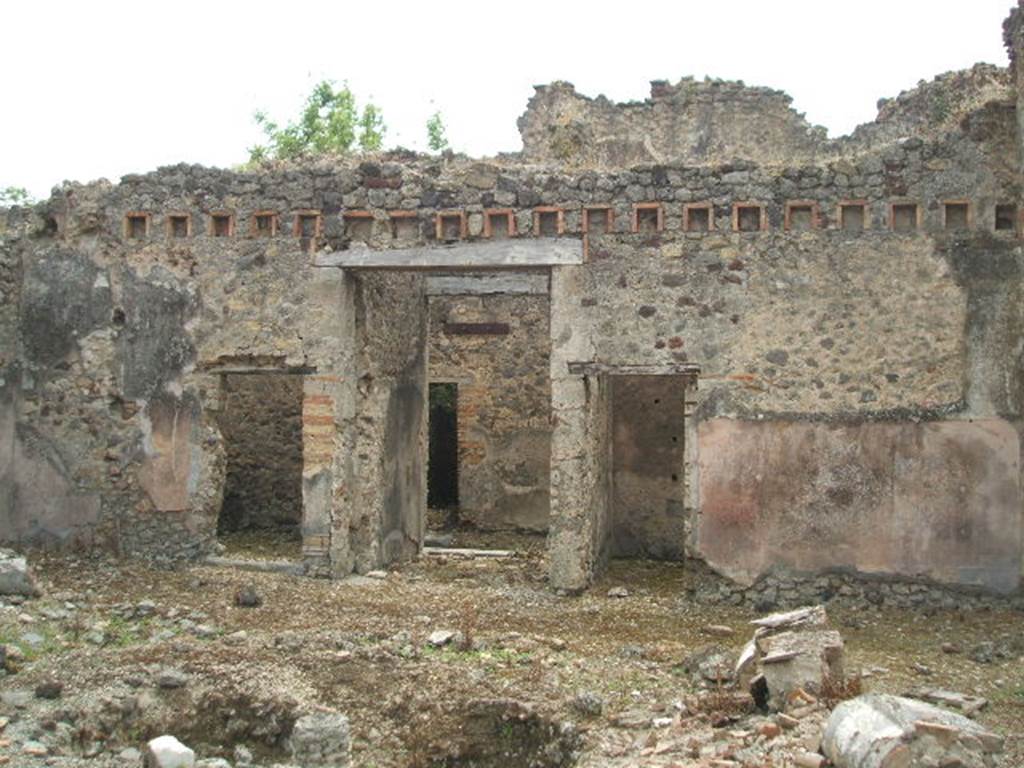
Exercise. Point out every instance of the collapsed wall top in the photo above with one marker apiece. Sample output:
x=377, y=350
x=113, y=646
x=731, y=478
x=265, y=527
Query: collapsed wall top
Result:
x=715, y=121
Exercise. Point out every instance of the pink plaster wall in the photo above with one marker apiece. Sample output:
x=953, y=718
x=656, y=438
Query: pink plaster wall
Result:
x=939, y=499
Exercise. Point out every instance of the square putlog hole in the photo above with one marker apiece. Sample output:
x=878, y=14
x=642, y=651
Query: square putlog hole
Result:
x=956, y=216
x=405, y=227
x=221, y=224
x=264, y=225
x=178, y=226
x=904, y=217
x=547, y=222
x=451, y=226
x=358, y=227
x=697, y=218
x=597, y=221
x=801, y=217
x=648, y=219
x=1006, y=217
x=852, y=217
x=307, y=225
x=748, y=218
x=499, y=224
x=136, y=226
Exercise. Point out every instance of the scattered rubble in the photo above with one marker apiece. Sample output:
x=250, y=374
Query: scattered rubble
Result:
x=594, y=683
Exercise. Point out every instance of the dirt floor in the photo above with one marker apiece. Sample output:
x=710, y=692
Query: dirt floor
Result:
x=529, y=678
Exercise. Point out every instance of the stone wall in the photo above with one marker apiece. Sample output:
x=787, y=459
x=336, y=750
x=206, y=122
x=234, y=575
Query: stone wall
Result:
x=496, y=347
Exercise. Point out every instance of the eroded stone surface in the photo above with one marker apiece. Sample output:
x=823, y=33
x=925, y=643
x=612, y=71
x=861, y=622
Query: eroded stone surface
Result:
x=880, y=731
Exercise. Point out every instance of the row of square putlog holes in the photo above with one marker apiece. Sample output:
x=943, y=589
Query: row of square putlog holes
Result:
x=646, y=217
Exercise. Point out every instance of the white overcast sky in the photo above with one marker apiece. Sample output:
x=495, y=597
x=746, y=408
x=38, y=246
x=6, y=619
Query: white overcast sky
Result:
x=99, y=89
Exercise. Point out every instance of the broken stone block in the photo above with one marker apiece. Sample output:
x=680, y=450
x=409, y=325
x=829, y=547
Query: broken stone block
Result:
x=746, y=664
x=883, y=731
x=802, y=618
x=794, y=661
x=15, y=577
x=168, y=752
x=969, y=705
x=321, y=739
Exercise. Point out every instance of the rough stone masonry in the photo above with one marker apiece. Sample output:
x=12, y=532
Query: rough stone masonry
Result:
x=689, y=327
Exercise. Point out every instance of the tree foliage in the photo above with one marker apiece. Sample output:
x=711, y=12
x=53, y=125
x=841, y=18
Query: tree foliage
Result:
x=15, y=196
x=330, y=123
x=436, y=138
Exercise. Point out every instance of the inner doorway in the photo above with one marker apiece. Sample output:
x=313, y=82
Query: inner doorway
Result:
x=443, y=454
x=648, y=466
x=260, y=420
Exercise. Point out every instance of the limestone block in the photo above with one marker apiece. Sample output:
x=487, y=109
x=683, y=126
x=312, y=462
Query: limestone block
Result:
x=794, y=660
x=168, y=752
x=884, y=731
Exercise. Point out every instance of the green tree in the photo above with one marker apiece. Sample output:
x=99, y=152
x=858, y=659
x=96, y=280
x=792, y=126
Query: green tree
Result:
x=330, y=124
x=436, y=138
x=15, y=196
x=371, y=128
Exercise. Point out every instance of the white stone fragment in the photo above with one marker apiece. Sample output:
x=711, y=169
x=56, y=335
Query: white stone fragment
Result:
x=168, y=752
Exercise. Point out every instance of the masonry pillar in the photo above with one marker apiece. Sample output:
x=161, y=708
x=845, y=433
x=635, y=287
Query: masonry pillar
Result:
x=580, y=445
x=325, y=407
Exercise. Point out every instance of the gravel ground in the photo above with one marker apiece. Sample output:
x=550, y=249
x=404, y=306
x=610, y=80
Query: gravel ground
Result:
x=113, y=633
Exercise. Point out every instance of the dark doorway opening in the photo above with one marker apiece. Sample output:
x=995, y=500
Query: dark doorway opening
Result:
x=648, y=488
x=443, y=451
x=261, y=423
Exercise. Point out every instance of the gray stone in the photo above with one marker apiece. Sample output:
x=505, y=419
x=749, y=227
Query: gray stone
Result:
x=883, y=731
x=588, y=703
x=15, y=577
x=248, y=597
x=321, y=739
x=49, y=689
x=172, y=678
x=242, y=755
x=19, y=699
x=440, y=637
x=713, y=664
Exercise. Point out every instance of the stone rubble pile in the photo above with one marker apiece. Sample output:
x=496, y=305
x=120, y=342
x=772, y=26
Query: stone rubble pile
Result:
x=321, y=739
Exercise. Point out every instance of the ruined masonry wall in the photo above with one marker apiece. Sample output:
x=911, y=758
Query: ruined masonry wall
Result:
x=901, y=340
